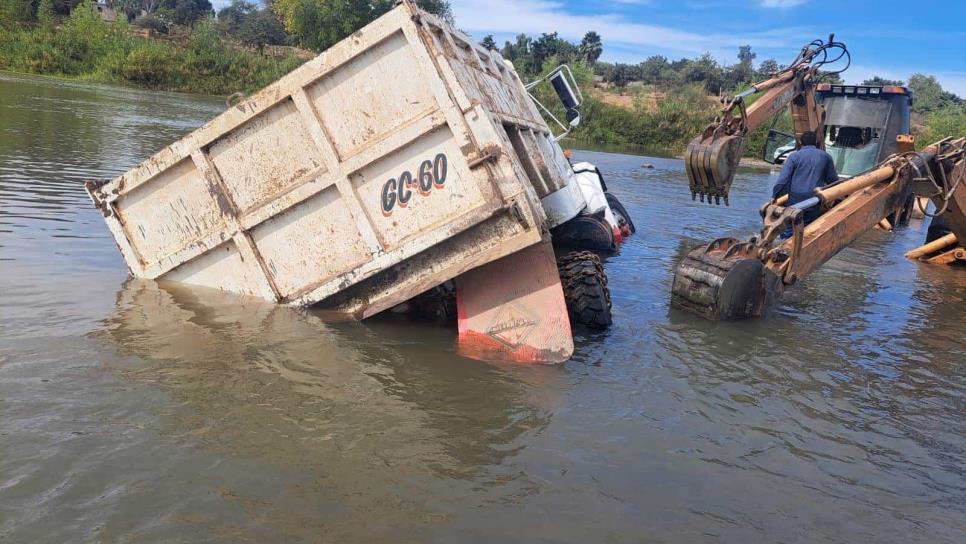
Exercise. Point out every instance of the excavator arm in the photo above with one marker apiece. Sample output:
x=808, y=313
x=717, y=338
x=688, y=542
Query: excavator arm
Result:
x=712, y=157
x=729, y=279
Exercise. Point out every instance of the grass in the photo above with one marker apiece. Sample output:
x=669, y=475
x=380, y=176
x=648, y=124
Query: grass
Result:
x=85, y=47
x=667, y=123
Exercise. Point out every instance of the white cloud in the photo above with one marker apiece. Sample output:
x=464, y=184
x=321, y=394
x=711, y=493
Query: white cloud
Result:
x=507, y=17
x=782, y=4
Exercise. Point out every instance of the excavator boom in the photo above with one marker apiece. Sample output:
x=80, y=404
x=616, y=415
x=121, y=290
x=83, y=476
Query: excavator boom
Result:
x=712, y=157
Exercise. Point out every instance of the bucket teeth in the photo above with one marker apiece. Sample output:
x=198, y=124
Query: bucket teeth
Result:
x=724, y=280
x=711, y=162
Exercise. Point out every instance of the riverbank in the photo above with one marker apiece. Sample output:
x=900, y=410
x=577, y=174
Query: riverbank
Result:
x=86, y=48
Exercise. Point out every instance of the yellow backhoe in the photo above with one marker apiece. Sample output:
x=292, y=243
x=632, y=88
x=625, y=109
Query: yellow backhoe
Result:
x=866, y=131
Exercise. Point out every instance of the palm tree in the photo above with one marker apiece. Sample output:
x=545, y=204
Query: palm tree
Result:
x=488, y=42
x=591, y=47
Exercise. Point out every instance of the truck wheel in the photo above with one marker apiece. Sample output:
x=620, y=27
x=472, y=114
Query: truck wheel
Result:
x=585, y=289
x=585, y=232
x=621, y=213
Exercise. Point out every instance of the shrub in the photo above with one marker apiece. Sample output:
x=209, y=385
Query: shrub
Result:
x=150, y=22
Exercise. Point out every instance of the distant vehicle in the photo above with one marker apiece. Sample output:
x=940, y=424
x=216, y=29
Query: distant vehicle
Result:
x=782, y=153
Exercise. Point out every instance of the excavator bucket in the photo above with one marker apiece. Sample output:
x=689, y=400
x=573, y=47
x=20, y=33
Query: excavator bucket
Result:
x=711, y=161
x=725, y=280
x=513, y=310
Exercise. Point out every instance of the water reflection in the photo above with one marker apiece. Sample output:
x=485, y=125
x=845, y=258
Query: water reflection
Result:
x=317, y=382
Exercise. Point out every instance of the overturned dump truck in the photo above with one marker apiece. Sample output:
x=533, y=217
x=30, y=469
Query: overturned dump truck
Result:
x=402, y=159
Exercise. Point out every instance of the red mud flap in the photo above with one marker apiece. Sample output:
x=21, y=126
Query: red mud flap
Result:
x=513, y=310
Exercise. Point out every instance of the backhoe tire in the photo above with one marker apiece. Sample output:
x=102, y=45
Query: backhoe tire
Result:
x=585, y=289
x=620, y=212
x=938, y=227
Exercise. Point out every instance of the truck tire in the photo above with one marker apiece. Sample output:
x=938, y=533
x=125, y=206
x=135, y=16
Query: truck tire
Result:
x=620, y=213
x=585, y=289
x=585, y=231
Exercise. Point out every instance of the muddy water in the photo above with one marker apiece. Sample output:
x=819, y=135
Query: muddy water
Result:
x=131, y=412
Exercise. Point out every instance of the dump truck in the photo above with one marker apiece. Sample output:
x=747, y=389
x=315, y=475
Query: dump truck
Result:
x=405, y=158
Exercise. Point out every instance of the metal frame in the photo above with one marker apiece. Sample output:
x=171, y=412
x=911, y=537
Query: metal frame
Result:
x=566, y=72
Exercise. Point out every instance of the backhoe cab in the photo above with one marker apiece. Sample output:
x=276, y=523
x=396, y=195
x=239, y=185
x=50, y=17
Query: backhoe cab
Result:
x=862, y=126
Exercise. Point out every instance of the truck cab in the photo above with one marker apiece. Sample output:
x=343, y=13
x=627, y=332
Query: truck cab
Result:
x=861, y=126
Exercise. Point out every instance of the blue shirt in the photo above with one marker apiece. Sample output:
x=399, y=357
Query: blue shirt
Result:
x=804, y=170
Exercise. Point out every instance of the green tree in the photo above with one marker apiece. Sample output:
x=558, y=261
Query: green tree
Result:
x=550, y=45
x=261, y=28
x=928, y=94
x=655, y=70
x=517, y=51
x=876, y=80
x=743, y=72
x=746, y=55
x=132, y=9
x=231, y=17
x=185, y=12
x=828, y=77
x=591, y=47
x=704, y=70
x=944, y=122
x=319, y=24
x=622, y=75
x=488, y=42
x=766, y=69
x=528, y=55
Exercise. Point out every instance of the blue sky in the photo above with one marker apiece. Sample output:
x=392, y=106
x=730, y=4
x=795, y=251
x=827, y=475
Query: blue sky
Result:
x=887, y=38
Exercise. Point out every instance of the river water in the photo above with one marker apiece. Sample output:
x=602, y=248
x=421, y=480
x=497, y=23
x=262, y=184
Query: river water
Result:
x=135, y=413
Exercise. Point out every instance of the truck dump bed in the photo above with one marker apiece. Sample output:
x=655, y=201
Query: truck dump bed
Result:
x=400, y=158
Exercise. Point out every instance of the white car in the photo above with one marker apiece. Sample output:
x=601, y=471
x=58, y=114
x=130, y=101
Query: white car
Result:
x=781, y=153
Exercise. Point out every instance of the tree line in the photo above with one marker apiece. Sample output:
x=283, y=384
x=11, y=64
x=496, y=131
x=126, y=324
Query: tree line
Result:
x=937, y=112
x=311, y=24
x=33, y=40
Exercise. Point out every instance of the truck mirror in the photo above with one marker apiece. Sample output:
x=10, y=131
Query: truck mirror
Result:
x=564, y=91
x=563, y=83
x=778, y=146
x=573, y=117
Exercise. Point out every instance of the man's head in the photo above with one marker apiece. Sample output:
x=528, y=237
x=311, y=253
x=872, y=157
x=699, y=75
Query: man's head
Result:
x=808, y=138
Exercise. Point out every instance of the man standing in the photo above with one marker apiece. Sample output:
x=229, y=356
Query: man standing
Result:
x=803, y=171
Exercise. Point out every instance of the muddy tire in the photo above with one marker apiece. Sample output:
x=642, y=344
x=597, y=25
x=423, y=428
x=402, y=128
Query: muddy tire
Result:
x=585, y=289
x=620, y=212
x=585, y=232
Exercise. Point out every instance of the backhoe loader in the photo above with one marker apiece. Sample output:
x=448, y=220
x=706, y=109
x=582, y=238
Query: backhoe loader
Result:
x=730, y=279
x=857, y=124
x=866, y=131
